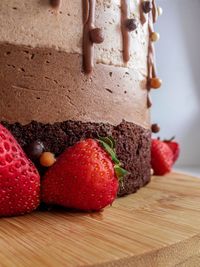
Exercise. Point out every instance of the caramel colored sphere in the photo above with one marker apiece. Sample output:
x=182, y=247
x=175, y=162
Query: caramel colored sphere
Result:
x=155, y=36
x=155, y=83
x=47, y=159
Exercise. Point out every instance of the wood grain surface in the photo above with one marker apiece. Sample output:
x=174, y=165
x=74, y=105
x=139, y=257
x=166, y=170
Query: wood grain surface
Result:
x=158, y=226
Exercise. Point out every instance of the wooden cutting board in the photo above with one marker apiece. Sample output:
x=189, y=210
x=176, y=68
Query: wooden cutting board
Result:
x=158, y=226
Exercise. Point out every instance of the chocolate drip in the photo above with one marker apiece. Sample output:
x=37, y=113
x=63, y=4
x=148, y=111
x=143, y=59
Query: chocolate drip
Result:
x=55, y=3
x=142, y=15
x=85, y=4
x=150, y=59
x=88, y=21
x=151, y=66
x=154, y=11
x=125, y=9
x=149, y=102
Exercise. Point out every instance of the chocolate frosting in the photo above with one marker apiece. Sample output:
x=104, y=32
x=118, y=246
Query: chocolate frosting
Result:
x=32, y=89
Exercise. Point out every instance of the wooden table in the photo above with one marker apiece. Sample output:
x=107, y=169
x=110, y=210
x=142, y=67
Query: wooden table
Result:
x=158, y=226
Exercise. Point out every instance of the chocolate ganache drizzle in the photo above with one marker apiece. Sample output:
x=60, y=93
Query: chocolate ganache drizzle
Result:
x=125, y=11
x=151, y=69
x=88, y=25
x=151, y=66
x=154, y=11
x=142, y=15
x=55, y=3
x=152, y=80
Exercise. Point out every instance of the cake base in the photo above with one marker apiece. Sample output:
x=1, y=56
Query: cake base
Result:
x=132, y=144
x=157, y=227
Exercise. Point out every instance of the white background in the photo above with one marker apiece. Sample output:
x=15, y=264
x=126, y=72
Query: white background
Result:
x=176, y=107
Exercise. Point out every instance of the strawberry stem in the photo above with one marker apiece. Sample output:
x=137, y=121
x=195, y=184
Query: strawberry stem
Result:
x=169, y=140
x=108, y=145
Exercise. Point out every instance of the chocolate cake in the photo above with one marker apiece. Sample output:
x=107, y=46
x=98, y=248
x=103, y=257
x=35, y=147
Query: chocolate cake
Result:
x=76, y=69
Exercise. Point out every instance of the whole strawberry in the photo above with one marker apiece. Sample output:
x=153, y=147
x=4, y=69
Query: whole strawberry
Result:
x=84, y=177
x=161, y=157
x=19, y=179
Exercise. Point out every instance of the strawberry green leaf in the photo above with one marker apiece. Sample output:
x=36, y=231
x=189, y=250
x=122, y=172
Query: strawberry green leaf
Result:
x=108, y=140
x=169, y=140
x=110, y=151
x=120, y=172
x=108, y=145
x=113, y=141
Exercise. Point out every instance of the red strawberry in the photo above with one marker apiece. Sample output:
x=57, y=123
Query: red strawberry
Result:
x=83, y=177
x=161, y=157
x=19, y=179
x=174, y=146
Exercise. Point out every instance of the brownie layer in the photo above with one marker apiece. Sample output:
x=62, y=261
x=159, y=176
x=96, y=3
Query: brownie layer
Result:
x=48, y=86
x=132, y=144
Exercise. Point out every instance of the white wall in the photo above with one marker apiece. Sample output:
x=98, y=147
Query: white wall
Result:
x=176, y=107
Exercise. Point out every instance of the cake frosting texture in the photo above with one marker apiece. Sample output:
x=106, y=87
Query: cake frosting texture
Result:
x=41, y=65
x=34, y=23
x=48, y=86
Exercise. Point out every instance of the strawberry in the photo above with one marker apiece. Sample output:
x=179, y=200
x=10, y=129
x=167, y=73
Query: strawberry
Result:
x=19, y=179
x=174, y=146
x=161, y=157
x=84, y=176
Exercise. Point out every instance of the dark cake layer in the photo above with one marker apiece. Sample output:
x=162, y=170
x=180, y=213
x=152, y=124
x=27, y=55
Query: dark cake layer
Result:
x=132, y=144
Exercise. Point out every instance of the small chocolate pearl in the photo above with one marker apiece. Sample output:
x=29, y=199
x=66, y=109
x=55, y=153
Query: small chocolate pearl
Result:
x=55, y=3
x=155, y=83
x=96, y=36
x=155, y=128
x=147, y=6
x=131, y=24
x=155, y=36
x=34, y=150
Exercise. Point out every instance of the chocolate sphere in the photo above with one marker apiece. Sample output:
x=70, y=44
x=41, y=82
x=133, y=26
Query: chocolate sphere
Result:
x=147, y=6
x=155, y=128
x=96, y=36
x=131, y=24
x=34, y=150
